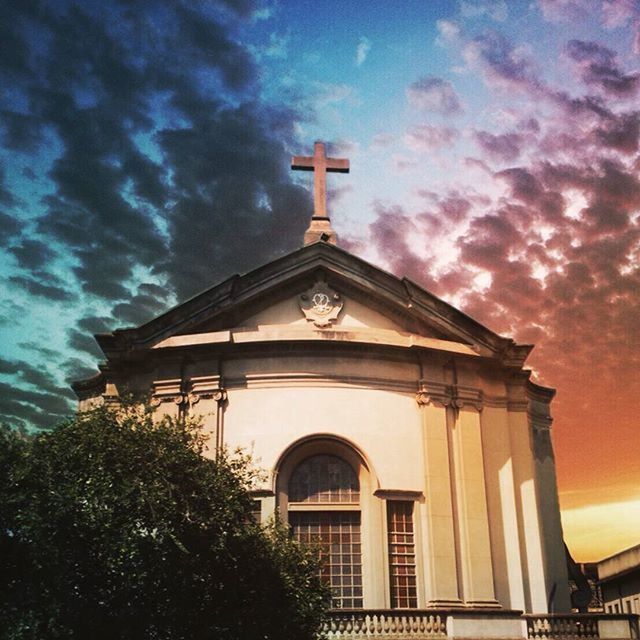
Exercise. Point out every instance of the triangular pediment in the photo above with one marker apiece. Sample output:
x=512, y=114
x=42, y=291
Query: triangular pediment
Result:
x=273, y=302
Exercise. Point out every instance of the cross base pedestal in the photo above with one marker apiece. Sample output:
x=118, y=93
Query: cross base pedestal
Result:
x=320, y=229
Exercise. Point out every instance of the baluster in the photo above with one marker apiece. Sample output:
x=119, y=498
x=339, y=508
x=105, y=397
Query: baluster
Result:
x=348, y=625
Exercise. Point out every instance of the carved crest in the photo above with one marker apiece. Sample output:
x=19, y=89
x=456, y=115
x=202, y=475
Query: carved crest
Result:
x=320, y=304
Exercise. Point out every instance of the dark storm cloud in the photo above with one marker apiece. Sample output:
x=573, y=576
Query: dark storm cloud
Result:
x=19, y=132
x=77, y=369
x=9, y=226
x=6, y=197
x=32, y=254
x=44, y=286
x=19, y=406
x=238, y=207
x=50, y=354
x=164, y=162
x=96, y=324
x=222, y=169
x=209, y=41
x=244, y=8
x=140, y=308
x=29, y=373
x=84, y=342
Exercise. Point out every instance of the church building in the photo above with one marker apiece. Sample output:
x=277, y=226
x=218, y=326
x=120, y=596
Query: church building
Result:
x=402, y=434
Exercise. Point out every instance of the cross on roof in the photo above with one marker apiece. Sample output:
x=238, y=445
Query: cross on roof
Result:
x=320, y=164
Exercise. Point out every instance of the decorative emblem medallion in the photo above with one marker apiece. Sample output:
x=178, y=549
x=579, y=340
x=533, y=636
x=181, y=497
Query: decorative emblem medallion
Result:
x=320, y=304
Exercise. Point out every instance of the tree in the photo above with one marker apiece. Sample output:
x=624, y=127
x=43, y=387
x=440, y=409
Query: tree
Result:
x=114, y=525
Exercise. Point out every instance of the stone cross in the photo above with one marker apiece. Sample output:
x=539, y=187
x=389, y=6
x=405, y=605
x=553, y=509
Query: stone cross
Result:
x=320, y=164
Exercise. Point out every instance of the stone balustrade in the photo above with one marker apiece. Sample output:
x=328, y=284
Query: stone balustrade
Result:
x=581, y=625
x=423, y=624
x=393, y=624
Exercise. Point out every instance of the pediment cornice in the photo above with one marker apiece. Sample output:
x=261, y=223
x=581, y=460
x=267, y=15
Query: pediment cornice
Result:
x=220, y=306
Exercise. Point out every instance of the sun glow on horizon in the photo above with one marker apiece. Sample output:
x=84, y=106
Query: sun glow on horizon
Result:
x=597, y=531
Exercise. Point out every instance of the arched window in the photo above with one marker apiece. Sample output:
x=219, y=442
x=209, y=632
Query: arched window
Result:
x=324, y=511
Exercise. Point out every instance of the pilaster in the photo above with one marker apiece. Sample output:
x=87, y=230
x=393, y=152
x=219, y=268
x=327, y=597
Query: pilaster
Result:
x=206, y=399
x=540, y=420
x=471, y=502
x=440, y=558
x=529, y=525
x=501, y=501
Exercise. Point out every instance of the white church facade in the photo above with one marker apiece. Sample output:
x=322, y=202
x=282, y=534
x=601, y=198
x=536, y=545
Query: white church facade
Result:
x=400, y=433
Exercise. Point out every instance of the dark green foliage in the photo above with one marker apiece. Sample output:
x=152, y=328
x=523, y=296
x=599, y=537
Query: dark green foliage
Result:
x=114, y=527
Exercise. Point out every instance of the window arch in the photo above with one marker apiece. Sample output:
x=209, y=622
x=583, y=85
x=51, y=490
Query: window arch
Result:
x=325, y=486
x=324, y=511
x=324, y=479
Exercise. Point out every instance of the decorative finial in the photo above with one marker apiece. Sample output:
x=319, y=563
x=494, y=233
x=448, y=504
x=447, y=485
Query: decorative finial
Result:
x=320, y=227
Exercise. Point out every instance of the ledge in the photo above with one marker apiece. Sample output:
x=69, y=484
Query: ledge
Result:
x=279, y=333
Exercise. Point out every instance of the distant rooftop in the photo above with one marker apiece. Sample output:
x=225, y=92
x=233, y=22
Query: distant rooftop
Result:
x=619, y=563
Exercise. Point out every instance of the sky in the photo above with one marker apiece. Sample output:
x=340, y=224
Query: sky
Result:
x=494, y=149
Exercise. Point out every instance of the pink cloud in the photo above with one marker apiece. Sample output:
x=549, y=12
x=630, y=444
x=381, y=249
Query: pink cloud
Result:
x=597, y=67
x=501, y=63
x=505, y=147
x=428, y=137
x=434, y=94
x=565, y=10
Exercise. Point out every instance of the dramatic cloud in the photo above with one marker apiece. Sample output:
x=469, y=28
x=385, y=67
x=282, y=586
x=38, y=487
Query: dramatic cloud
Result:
x=157, y=151
x=550, y=255
x=144, y=156
x=598, y=67
x=434, y=94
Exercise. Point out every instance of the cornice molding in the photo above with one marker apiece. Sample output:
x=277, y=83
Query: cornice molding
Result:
x=274, y=380
x=341, y=268
x=399, y=494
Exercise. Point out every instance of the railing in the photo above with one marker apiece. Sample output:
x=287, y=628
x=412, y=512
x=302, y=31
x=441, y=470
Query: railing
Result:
x=414, y=624
x=562, y=626
x=569, y=626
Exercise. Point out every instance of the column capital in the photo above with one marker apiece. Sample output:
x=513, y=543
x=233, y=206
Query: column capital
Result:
x=217, y=395
x=168, y=391
x=434, y=393
x=444, y=395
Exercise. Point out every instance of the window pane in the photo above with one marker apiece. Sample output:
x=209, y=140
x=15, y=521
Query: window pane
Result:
x=402, y=560
x=342, y=564
x=324, y=479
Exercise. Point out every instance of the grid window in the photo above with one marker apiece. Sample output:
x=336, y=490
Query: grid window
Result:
x=324, y=479
x=337, y=536
x=402, y=558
